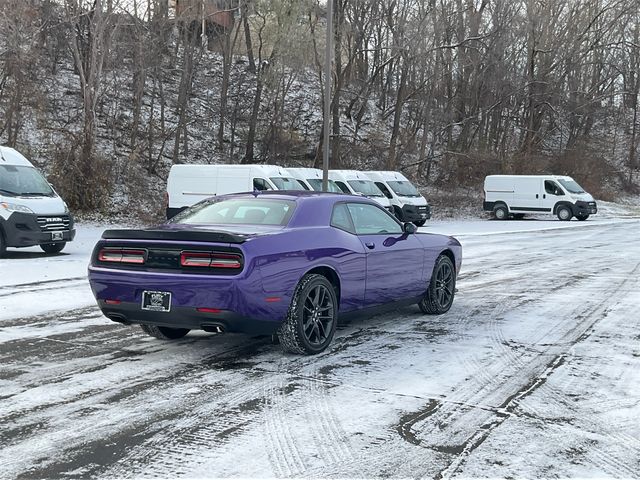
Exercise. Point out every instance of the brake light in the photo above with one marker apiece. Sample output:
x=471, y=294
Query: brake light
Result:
x=209, y=310
x=210, y=260
x=122, y=255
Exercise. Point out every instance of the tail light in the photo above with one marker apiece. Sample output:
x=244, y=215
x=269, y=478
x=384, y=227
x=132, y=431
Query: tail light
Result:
x=210, y=260
x=122, y=255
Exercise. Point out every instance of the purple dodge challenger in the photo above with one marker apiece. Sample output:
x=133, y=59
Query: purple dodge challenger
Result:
x=287, y=263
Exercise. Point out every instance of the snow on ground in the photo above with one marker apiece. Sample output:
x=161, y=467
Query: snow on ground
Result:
x=535, y=372
x=31, y=282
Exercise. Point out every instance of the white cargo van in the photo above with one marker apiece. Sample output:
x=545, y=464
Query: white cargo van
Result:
x=516, y=195
x=31, y=212
x=355, y=182
x=188, y=184
x=407, y=202
x=312, y=179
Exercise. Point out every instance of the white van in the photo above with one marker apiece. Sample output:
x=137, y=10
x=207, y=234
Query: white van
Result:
x=189, y=184
x=355, y=182
x=407, y=202
x=31, y=212
x=516, y=195
x=311, y=178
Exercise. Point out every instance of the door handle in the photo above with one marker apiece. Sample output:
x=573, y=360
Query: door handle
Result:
x=370, y=245
x=544, y=195
x=537, y=196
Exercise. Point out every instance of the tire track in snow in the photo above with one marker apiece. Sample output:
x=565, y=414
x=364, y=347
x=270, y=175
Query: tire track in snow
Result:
x=590, y=316
x=307, y=399
x=35, y=287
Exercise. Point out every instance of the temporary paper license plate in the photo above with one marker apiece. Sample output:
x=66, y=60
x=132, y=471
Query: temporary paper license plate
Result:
x=156, y=301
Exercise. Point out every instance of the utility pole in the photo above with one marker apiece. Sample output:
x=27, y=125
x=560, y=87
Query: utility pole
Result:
x=203, y=35
x=327, y=96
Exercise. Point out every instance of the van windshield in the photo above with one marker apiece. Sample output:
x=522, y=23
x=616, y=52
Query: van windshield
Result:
x=571, y=186
x=21, y=180
x=316, y=184
x=404, y=189
x=366, y=187
x=284, y=183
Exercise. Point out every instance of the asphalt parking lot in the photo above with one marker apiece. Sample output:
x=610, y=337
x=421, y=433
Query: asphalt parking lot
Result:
x=535, y=372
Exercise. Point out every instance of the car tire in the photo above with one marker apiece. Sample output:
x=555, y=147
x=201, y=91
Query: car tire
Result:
x=442, y=288
x=564, y=213
x=53, y=247
x=305, y=331
x=164, y=333
x=582, y=218
x=500, y=212
x=420, y=223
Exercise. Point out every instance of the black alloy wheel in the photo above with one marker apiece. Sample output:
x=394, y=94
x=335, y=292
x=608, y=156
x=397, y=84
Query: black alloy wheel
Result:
x=53, y=247
x=164, y=333
x=311, y=322
x=442, y=288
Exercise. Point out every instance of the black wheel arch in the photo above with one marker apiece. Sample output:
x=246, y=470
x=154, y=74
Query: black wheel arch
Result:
x=562, y=203
x=452, y=257
x=501, y=203
x=330, y=274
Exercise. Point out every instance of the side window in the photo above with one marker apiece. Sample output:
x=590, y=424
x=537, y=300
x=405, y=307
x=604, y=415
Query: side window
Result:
x=343, y=187
x=384, y=189
x=341, y=218
x=302, y=184
x=261, y=184
x=552, y=188
x=369, y=219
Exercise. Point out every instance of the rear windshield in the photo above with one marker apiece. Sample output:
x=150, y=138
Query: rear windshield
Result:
x=316, y=184
x=284, y=183
x=404, y=189
x=244, y=211
x=20, y=180
x=571, y=186
x=366, y=187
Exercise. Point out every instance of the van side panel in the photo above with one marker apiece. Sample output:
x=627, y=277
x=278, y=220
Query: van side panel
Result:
x=527, y=194
x=496, y=190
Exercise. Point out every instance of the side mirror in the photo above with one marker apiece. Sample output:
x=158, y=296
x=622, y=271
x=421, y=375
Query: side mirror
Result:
x=409, y=228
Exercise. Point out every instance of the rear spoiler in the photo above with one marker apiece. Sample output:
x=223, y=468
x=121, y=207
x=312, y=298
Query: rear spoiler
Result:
x=215, y=236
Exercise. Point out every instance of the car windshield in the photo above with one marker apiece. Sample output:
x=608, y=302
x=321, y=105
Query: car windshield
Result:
x=284, y=183
x=571, y=186
x=366, y=187
x=316, y=184
x=404, y=189
x=21, y=180
x=245, y=211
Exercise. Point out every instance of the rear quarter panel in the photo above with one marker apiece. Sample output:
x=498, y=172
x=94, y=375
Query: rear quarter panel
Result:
x=283, y=259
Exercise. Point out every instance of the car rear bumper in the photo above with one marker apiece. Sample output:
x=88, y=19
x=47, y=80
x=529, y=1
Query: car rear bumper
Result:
x=187, y=317
x=238, y=304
